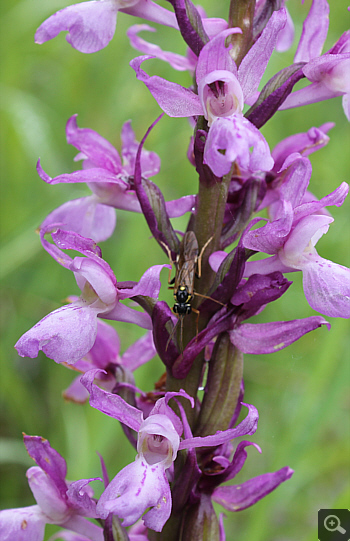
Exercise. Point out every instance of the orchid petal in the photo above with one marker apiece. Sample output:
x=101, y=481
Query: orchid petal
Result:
x=90, y=530
x=89, y=270
x=95, y=174
x=342, y=44
x=238, y=460
x=150, y=161
x=76, y=522
x=49, y=498
x=79, y=498
x=162, y=407
x=178, y=207
x=176, y=61
x=215, y=56
x=332, y=70
x=149, y=284
x=327, y=287
x=175, y=100
x=247, y=426
x=69, y=240
x=296, y=180
x=106, y=348
x=310, y=94
x=222, y=534
x=65, y=335
x=346, y=105
x=213, y=25
x=146, y=9
x=61, y=257
x=49, y=460
x=238, y=497
x=120, y=312
x=305, y=143
x=216, y=258
x=315, y=29
x=96, y=148
x=111, y=404
x=85, y=216
x=236, y=136
x=66, y=535
x=24, y=524
x=299, y=246
x=254, y=63
x=271, y=237
x=261, y=338
x=266, y=266
x=286, y=35
x=90, y=25
x=76, y=392
x=136, y=488
x=139, y=353
x=312, y=206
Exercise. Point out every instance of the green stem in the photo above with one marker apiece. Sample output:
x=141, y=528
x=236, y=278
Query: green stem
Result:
x=241, y=14
x=211, y=201
x=170, y=532
x=222, y=389
x=208, y=223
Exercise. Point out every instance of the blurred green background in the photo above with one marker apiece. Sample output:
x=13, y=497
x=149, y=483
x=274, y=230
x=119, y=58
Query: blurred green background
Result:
x=301, y=393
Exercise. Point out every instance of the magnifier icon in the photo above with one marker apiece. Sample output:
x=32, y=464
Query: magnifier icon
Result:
x=332, y=524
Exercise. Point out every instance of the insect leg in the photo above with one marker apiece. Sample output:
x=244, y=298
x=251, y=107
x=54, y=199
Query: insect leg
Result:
x=173, y=263
x=172, y=334
x=206, y=297
x=197, y=319
x=199, y=260
x=181, y=319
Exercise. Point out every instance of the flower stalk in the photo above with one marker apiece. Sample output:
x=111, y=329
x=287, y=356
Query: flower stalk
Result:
x=241, y=15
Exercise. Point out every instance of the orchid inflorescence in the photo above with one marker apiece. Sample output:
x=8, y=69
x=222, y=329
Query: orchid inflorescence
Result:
x=186, y=446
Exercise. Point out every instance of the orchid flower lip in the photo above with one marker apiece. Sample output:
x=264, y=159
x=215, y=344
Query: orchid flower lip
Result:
x=158, y=441
x=221, y=95
x=156, y=449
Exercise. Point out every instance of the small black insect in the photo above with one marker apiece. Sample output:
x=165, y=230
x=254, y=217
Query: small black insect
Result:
x=188, y=266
